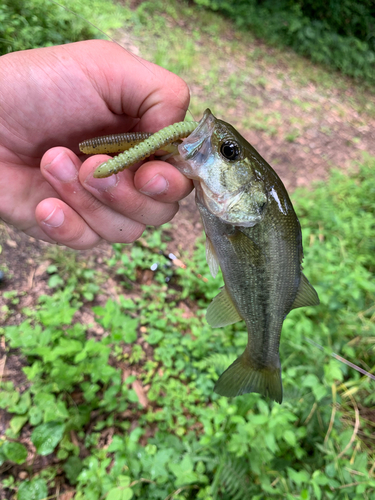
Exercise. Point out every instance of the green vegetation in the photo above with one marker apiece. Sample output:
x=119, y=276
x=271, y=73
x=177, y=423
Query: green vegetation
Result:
x=126, y=404
x=338, y=34
x=115, y=394
x=26, y=24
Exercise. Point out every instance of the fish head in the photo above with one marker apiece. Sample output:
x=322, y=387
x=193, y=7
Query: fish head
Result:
x=217, y=158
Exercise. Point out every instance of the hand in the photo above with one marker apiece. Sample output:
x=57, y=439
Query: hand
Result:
x=59, y=96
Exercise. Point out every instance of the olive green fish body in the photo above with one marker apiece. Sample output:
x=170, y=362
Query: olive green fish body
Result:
x=262, y=274
x=254, y=235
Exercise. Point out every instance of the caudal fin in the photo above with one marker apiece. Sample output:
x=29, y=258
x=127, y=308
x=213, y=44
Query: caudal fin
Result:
x=241, y=377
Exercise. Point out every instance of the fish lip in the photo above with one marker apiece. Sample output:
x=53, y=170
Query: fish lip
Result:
x=190, y=147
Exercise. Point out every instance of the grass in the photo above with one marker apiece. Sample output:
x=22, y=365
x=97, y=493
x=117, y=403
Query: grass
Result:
x=126, y=403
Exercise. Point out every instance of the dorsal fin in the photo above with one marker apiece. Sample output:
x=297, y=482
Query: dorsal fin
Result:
x=222, y=311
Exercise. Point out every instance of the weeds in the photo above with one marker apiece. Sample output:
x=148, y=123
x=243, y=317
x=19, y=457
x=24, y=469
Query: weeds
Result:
x=127, y=408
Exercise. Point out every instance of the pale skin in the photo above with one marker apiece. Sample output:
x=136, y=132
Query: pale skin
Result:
x=55, y=97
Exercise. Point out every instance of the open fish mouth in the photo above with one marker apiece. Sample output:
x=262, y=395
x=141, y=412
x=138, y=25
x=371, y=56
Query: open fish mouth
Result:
x=197, y=147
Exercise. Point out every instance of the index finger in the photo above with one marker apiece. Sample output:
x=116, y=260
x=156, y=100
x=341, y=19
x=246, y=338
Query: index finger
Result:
x=133, y=86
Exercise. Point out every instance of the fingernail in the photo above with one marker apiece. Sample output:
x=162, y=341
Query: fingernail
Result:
x=102, y=184
x=62, y=168
x=157, y=185
x=56, y=218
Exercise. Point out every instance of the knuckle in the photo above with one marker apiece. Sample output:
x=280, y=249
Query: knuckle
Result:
x=136, y=205
x=92, y=206
x=80, y=238
x=127, y=235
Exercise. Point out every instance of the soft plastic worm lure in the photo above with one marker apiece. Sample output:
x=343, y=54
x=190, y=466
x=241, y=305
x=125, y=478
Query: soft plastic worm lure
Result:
x=140, y=147
x=116, y=143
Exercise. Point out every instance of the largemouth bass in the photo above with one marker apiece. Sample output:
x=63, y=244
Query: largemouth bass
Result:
x=254, y=235
x=252, y=232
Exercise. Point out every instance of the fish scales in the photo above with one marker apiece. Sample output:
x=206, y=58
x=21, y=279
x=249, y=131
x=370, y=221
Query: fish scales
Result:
x=264, y=288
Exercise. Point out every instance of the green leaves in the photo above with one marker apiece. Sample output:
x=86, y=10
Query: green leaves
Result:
x=122, y=327
x=121, y=492
x=155, y=336
x=183, y=471
x=133, y=393
x=339, y=37
x=17, y=423
x=72, y=468
x=32, y=490
x=47, y=436
x=15, y=452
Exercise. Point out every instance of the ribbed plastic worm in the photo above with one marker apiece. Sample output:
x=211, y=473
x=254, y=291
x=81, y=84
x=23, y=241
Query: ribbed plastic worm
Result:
x=141, y=146
x=115, y=143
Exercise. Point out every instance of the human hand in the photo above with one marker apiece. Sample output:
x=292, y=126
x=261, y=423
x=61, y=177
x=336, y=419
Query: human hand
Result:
x=60, y=96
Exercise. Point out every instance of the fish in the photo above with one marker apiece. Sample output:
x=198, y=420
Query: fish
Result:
x=253, y=234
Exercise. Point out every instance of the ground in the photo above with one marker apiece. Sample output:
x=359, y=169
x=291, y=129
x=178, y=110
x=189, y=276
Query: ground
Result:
x=292, y=112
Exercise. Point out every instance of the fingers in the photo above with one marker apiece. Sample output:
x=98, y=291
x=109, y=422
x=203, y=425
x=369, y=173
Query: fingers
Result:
x=60, y=167
x=150, y=194
x=63, y=225
x=162, y=182
x=116, y=208
x=127, y=82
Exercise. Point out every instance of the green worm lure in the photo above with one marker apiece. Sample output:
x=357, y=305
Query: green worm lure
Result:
x=136, y=146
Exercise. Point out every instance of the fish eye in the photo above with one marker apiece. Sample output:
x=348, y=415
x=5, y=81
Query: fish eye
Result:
x=230, y=150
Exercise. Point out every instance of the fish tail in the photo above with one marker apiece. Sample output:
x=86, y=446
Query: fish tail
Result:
x=243, y=377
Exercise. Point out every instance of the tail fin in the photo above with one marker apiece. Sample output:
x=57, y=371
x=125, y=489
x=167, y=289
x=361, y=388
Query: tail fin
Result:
x=241, y=377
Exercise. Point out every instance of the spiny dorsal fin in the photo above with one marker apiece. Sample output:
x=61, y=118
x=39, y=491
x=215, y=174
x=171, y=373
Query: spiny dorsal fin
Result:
x=211, y=258
x=306, y=295
x=222, y=311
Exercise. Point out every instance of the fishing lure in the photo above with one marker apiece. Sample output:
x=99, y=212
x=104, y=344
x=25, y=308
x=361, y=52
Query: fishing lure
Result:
x=137, y=146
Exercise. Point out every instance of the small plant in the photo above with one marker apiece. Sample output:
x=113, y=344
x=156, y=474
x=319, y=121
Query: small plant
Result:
x=71, y=271
x=292, y=135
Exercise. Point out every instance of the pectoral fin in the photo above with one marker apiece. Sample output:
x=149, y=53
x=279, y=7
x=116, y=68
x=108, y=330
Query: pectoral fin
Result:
x=222, y=311
x=246, y=249
x=211, y=258
x=306, y=295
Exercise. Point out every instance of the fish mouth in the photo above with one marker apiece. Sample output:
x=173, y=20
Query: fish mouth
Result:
x=197, y=145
